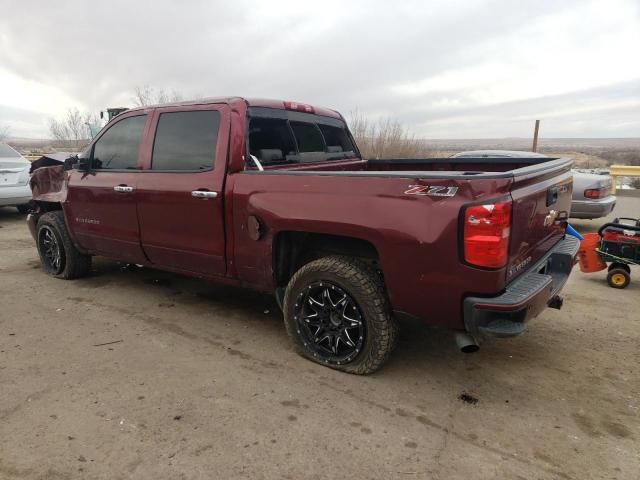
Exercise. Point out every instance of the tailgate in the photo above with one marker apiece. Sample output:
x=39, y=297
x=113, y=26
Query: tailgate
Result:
x=541, y=206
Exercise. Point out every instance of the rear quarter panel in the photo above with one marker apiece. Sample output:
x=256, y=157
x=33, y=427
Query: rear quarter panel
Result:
x=416, y=236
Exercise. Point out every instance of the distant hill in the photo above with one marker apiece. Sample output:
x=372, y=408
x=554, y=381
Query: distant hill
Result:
x=586, y=152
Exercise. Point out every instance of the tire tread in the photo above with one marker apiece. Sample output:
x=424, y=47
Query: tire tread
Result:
x=77, y=264
x=371, y=286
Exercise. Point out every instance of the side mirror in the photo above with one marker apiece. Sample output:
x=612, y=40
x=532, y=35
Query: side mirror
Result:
x=82, y=164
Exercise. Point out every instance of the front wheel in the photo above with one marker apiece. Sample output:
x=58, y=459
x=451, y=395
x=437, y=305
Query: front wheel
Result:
x=337, y=312
x=58, y=255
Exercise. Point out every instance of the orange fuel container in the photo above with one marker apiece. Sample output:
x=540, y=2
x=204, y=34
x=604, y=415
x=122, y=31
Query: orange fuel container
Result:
x=590, y=261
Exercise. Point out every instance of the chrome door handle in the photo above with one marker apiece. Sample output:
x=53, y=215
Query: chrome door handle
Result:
x=204, y=194
x=123, y=189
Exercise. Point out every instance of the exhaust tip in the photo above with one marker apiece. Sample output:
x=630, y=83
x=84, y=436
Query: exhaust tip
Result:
x=470, y=348
x=466, y=343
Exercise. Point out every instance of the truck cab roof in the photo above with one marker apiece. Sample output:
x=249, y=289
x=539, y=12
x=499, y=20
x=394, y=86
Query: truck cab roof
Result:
x=251, y=102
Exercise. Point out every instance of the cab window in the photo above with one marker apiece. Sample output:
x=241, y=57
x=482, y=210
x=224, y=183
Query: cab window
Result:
x=186, y=141
x=118, y=148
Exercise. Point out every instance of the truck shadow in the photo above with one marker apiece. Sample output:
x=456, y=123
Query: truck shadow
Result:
x=10, y=215
x=198, y=305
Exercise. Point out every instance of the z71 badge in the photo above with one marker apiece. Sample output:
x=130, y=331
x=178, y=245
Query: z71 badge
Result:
x=431, y=190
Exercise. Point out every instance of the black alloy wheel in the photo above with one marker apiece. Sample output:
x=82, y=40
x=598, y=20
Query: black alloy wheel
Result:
x=52, y=254
x=329, y=322
x=59, y=256
x=337, y=312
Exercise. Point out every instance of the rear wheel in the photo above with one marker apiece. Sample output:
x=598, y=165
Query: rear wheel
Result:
x=58, y=255
x=337, y=312
x=618, y=278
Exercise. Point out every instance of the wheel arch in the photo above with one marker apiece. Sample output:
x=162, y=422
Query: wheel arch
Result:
x=293, y=249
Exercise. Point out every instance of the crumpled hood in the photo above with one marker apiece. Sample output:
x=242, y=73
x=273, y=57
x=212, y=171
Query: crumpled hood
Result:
x=49, y=184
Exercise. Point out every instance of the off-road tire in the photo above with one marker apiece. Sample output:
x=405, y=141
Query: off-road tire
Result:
x=365, y=286
x=73, y=263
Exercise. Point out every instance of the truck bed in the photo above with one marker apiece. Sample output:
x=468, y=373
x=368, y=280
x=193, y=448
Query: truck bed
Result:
x=416, y=168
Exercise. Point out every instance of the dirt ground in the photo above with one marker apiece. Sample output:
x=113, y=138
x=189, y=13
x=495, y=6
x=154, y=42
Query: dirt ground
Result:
x=195, y=381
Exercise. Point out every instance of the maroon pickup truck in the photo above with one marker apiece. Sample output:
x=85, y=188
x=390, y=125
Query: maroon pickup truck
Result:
x=275, y=196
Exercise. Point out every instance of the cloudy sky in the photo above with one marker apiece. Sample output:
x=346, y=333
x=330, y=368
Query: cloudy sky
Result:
x=447, y=69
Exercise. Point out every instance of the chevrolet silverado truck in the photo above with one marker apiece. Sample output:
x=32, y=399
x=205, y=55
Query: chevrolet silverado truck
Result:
x=275, y=196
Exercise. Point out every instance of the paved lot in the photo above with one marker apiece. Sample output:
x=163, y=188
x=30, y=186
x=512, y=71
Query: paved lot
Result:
x=202, y=383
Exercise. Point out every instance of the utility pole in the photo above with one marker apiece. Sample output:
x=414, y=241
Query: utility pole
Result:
x=535, y=136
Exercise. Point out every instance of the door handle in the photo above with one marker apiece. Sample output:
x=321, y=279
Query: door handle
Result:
x=204, y=194
x=123, y=188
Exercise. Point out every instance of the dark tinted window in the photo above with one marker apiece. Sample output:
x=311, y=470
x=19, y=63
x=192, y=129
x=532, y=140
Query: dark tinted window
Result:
x=336, y=139
x=186, y=141
x=270, y=139
x=118, y=147
x=308, y=137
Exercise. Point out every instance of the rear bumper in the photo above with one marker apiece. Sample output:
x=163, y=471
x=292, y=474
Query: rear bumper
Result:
x=524, y=298
x=15, y=195
x=592, y=208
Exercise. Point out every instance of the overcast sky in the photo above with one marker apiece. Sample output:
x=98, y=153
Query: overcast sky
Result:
x=447, y=69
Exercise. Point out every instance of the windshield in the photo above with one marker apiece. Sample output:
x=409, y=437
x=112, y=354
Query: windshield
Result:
x=282, y=136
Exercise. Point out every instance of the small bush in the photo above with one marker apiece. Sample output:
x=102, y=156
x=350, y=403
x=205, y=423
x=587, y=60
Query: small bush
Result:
x=385, y=138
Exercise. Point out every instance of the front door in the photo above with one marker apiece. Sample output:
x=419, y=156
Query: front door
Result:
x=101, y=204
x=180, y=190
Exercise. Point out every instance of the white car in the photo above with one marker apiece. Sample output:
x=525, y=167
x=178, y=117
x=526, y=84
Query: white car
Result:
x=14, y=179
x=591, y=193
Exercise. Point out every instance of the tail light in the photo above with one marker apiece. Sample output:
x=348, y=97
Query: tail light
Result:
x=600, y=192
x=299, y=107
x=486, y=234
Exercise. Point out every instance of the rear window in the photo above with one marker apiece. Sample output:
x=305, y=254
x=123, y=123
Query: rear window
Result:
x=271, y=140
x=336, y=138
x=7, y=151
x=186, y=140
x=308, y=137
x=282, y=136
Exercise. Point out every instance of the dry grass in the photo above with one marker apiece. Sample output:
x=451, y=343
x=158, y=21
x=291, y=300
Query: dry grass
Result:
x=385, y=138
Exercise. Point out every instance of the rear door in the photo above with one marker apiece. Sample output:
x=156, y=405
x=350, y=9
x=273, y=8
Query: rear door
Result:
x=541, y=206
x=180, y=191
x=101, y=203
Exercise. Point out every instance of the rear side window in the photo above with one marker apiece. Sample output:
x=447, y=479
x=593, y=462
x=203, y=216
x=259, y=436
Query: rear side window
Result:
x=271, y=139
x=118, y=147
x=336, y=138
x=186, y=141
x=308, y=136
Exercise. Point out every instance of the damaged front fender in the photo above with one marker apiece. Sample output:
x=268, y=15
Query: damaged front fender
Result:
x=49, y=184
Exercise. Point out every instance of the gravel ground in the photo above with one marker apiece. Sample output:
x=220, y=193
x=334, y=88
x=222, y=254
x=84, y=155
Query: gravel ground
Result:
x=143, y=374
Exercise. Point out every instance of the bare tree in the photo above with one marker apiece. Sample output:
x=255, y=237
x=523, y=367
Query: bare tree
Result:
x=71, y=132
x=4, y=132
x=384, y=138
x=146, y=95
